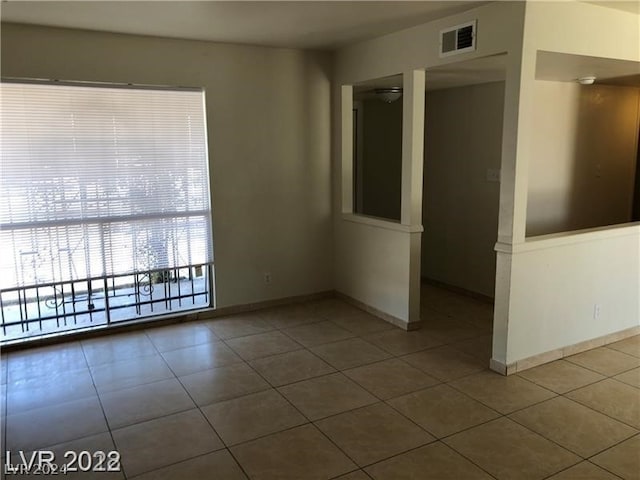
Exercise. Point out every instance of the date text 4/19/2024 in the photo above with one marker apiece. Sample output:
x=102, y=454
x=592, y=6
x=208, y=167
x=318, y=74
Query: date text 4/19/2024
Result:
x=44, y=462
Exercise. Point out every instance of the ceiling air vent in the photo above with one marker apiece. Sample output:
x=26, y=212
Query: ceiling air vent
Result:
x=458, y=39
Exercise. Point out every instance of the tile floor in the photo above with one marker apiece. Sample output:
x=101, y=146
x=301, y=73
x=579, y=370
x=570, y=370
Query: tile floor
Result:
x=324, y=390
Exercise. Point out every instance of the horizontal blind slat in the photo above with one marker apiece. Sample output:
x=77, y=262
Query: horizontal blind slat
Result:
x=101, y=181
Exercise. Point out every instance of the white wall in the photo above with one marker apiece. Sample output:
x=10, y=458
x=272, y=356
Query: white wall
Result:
x=583, y=156
x=463, y=139
x=406, y=52
x=565, y=276
x=386, y=281
x=268, y=113
x=558, y=281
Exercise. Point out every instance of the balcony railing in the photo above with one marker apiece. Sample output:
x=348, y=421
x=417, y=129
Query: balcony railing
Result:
x=38, y=310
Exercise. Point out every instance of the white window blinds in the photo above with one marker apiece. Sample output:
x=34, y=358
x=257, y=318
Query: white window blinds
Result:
x=98, y=181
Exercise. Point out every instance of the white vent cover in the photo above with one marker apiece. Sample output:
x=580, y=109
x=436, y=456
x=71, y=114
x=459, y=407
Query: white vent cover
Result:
x=458, y=39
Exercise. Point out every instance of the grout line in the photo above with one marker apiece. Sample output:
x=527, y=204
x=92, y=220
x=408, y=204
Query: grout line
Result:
x=543, y=435
x=282, y=329
x=591, y=369
x=605, y=469
x=469, y=460
x=106, y=421
x=335, y=444
x=606, y=414
x=199, y=408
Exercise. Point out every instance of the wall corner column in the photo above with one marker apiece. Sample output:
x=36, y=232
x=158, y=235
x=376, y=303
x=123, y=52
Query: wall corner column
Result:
x=346, y=148
x=412, y=166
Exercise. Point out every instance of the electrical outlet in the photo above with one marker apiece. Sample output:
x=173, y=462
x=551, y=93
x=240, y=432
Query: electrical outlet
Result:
x=493, y=175
x=267, y=277
x=596, y=311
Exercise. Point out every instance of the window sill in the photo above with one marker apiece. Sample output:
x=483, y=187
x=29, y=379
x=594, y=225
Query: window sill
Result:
x=381, y=223
x=567, y=238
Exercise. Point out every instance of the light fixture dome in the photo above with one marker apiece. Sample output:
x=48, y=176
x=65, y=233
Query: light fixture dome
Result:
x=388, y=95
x=587, y=80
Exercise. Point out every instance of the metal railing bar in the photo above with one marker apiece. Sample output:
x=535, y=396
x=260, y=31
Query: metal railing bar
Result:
x=38, y=303
x=151, y=290
x=73, y=305
x=179, y=292
x=86, y=279
x=106, y=300
x=193, y=300
x=4, y=329
x=91, y=290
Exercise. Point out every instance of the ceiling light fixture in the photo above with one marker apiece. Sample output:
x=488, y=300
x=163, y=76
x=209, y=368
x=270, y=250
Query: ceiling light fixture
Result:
x=388, y=95
x=587, y=80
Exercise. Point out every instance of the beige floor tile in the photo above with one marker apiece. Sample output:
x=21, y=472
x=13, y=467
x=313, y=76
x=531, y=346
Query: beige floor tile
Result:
x=623, y=459
x=504, y=394
x=431, y=462
x=332, y=307
x=218, y=465
x=290, y=316
x=45, y=361
x=302, y=452
x=442, y=410
x=357, y=475
x=55, y=424
x=373, y=433
x=145, y=402
x=361, y=322
x=399, y=342
x=223, y=383
x=445, y=363
x=584, y=471
x=130, y=373
x=38, y=392
x=481, y=318
x=323, y=396
x=480, y=347
x=450, y=330
x=561, y=376
x=613, y=398
x=573, y=426
x=252, y=416
x=464, y=307
x=200, y=357
x=239, y=325
x=313, y=334
x=179, y=336
x=509, y=451
x=605, y=361
x=116, y=348
x=101, y=442
x=632, y=377
x=432, y=294
x=630, y=346
x=161, y=442
x=291, y=367
x=390, y=378
x=349, y=353
x=262, y=345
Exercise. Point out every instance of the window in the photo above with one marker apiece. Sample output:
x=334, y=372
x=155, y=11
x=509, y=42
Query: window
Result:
x=377, y=143
x=105, y=210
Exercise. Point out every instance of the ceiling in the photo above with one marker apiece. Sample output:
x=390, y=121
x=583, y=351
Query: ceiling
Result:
x=562, y=67
x=301, y=24
x=458, y=74
x=295, y=24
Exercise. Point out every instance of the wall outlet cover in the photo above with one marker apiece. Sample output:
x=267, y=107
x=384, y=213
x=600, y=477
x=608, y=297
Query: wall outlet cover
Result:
x=493, y=175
